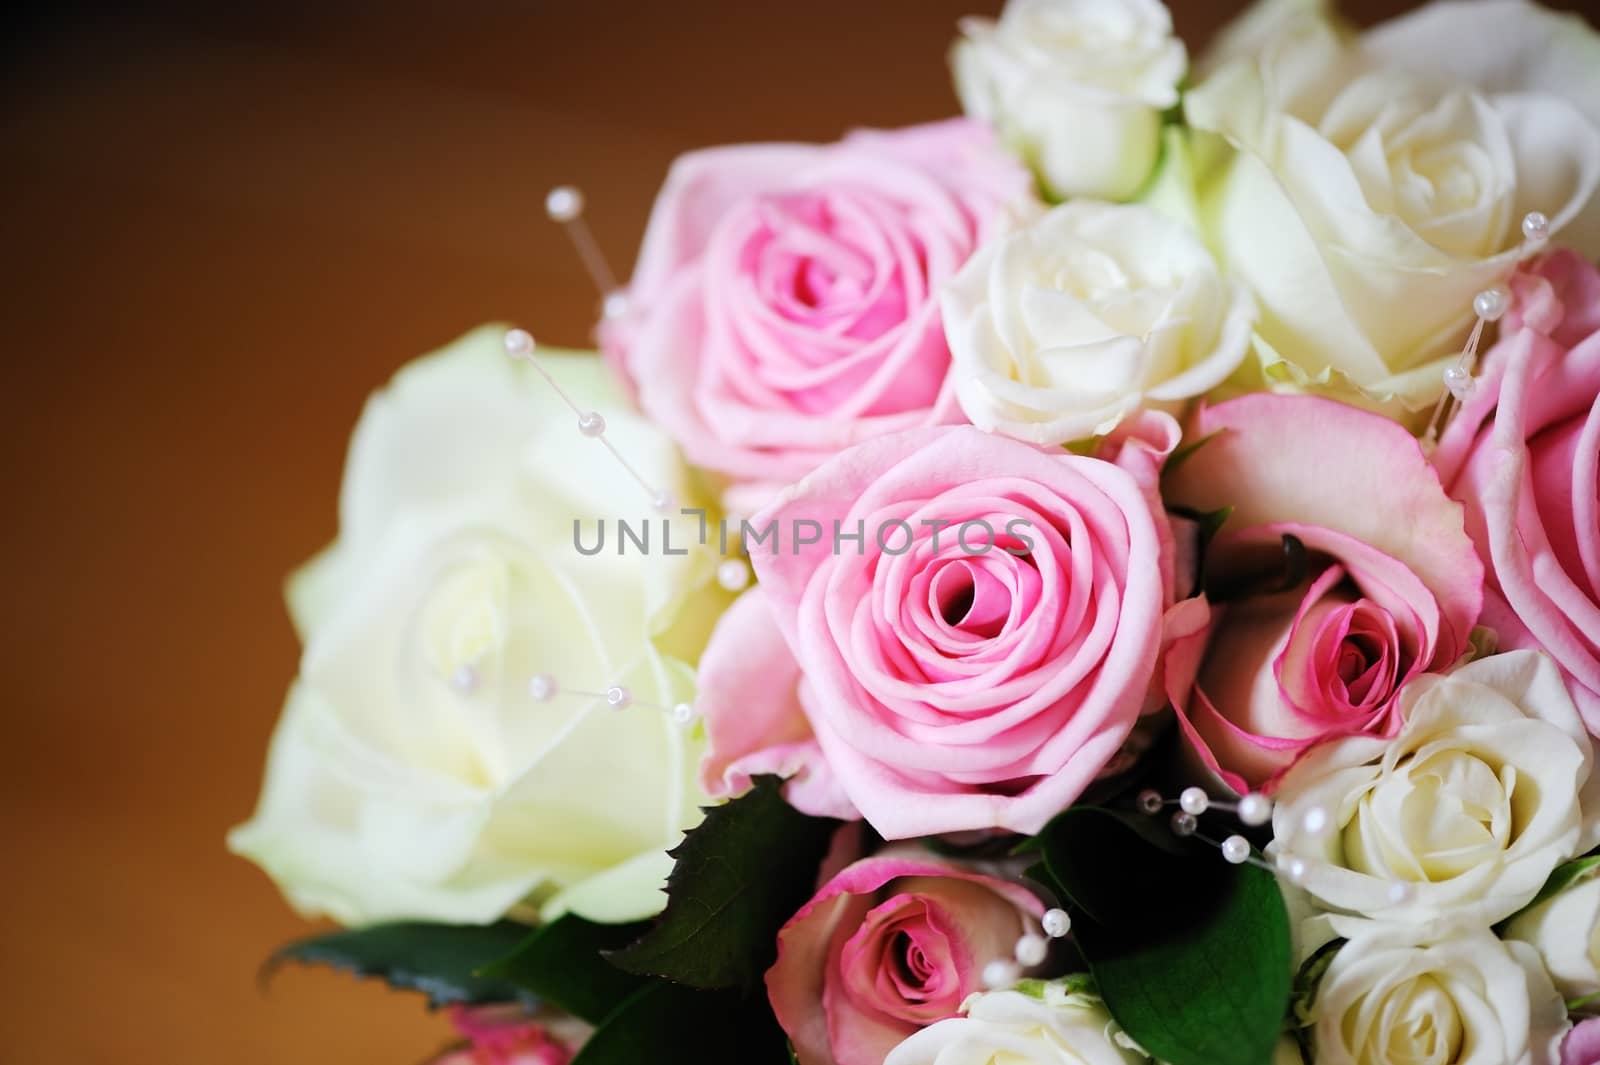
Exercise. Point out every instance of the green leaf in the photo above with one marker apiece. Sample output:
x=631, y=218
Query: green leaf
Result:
x=1190, y=953
x=564, y=963
x=440, y=960
x=739, y=876
x=669, y=1024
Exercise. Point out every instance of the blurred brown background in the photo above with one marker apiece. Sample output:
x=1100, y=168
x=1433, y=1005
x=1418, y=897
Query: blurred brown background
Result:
x=222, y=228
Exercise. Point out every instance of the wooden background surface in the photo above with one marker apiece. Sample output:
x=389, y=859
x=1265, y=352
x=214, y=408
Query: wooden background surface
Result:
x=221, y=230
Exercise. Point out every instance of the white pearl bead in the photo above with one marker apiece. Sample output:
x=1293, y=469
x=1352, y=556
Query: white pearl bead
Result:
x=1032, y=950
x=1149, y=801
x=733, y=574
x=615, y=304
x=1184, y=824
x=1057, y=923
x=1314, y=822
x=1236, y=849
x=518, y=342
x=542, y=687
x=1194, y=801
x=1458, y=379
x=464, y=679
x=1490, y=304
x=683, y=713
x=1255, y=810
x=564, y=203
x=591, y=424
x=662, y=502
x=1294, y=870
x=998, y=975
x=618, y=697
x=1400, y=892
x=1535, y=227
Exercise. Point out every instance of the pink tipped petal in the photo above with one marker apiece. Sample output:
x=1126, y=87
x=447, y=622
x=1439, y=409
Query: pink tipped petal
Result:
x=1319, y=463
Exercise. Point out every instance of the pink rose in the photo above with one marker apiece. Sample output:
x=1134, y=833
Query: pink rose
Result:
x=1582, y=1044
x=784, y=306
x=981, y=650
x=502, y=1036
x=890, y=945
x=1523, y=454
x=749, y=685
x=1315, y=642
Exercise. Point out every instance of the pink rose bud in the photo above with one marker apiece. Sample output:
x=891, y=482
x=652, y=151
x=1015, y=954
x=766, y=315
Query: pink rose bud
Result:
x=1383, y=584
x=888, y=946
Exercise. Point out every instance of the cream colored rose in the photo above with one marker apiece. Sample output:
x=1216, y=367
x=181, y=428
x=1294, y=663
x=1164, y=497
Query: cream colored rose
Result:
x=1458, y=820
x=1565, y=930
x=417, y=772
x=1061, y=329
x=1366, y=204
x=1077, y=86
x=1471, y=1000
x=1059, y=1026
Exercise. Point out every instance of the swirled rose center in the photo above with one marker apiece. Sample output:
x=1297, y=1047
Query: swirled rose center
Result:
x=1417, y=1022
x=826, y=286
x=901, y=961
x=1435, y=817
x=1345, y=658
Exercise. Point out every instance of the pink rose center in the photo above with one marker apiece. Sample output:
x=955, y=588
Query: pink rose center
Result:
x=1344, y=659
x=901, y=962
x=825, y=286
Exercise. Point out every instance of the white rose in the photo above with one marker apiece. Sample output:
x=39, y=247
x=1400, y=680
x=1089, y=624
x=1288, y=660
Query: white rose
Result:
x=1061, y=329
x=1565, y=930
x=1367, y=204
x=1077, y=86
x=1471, y=1000
x=1062, y=1027
x=414, y=774
x=1502, y=47
x=1458, y=820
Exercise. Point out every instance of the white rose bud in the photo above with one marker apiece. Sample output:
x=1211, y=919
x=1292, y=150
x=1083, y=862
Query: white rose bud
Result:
x=1565, y=930
x=1061, y=1027
x=1077, y=86
x=1457, y=821
x=1471, y=998
x=1061, y=329
x=437, y=758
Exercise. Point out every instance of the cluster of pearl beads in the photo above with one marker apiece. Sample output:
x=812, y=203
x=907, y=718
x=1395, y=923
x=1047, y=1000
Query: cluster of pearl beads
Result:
x=1253, y=810
x=1030, y=951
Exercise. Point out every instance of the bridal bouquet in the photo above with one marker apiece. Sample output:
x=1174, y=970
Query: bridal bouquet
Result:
x=1110, y=578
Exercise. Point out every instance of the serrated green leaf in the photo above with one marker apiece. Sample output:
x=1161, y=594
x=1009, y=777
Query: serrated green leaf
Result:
x=564, y=963
x=669, y=1024
x=1191, y=954
x=439, y=960
x=739, y=876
